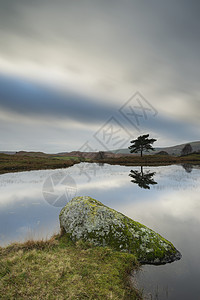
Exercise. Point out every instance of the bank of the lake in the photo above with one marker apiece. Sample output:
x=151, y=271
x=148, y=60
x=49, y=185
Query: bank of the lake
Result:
x=61, y=269
x=151, y=160
x=36, y=161
x=20, y=163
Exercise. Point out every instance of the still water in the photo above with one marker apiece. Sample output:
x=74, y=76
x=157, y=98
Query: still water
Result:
x=167, y=202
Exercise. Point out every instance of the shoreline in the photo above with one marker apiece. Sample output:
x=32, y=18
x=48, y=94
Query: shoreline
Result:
x=21, y=163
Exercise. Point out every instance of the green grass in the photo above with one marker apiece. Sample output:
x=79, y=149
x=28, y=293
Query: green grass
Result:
x=67, y=157
x=73, y=158
x=60, y=269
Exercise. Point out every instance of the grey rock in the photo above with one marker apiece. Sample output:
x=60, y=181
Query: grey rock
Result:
x=88, y=219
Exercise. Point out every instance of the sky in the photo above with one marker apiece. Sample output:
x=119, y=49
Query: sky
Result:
x=92, y=75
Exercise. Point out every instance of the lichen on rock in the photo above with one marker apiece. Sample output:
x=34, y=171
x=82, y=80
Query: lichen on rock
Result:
x=88, y=219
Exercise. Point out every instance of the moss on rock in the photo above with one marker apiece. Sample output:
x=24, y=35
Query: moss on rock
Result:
x=88, y=219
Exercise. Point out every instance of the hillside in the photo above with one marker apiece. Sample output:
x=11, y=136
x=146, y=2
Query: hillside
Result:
x=173, y=150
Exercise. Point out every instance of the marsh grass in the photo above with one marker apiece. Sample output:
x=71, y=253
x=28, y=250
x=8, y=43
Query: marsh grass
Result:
x=61, y=269
x=152, y=160
x=67, y=158
x=15, y=163
x=34, y=161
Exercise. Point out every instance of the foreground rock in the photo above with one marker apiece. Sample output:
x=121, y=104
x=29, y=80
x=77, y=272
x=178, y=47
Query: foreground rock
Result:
x=88, y=219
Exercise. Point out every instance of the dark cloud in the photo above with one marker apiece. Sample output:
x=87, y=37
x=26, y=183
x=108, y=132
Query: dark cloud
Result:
x=37, y=102
x=33, y=99
x=150, y=46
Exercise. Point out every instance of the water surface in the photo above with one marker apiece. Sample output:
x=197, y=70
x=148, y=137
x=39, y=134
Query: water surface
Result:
x=171, y=207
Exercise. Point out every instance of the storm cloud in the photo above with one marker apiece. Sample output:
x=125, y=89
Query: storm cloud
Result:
x=81, y=60
x=33, y=99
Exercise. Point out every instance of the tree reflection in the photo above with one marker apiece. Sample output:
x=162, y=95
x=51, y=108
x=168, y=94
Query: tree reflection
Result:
x=188, y=168
x=142, y=179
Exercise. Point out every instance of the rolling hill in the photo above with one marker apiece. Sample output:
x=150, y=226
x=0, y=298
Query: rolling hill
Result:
x=173, y=150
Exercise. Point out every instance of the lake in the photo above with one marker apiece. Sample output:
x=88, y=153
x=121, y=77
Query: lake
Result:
x=31, y=201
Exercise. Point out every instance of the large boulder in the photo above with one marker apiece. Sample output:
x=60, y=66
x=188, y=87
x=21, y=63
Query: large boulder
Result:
x=88, y=219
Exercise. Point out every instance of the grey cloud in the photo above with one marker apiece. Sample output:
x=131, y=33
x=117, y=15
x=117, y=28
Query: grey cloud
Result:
x=25, y=98
x=19, y=134
x=28, y=98
x=170, y=128
x=152, y=46
x=139, y=37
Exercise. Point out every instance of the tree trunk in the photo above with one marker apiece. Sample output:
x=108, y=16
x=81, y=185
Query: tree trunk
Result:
x=141, y=150
x=141, y=171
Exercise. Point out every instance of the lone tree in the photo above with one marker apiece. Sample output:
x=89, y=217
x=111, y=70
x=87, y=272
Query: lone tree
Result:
x=142, y=143
x=187, y=149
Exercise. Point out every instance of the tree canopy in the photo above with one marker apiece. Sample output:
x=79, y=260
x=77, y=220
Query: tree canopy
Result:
x=142, y=143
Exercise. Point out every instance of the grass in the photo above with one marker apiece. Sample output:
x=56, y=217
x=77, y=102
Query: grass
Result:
x=34, y=161
x=152, y=160
x=67, y=158
x=15, y=163
x=60, y=269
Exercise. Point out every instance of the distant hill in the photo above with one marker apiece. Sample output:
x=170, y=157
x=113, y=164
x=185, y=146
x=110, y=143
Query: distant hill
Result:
x=92, y=155
x=31, y=153
x=8, y=152
x=173, y=150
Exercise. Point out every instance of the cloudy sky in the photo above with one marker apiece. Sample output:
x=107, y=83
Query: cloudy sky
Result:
x=93, y=74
